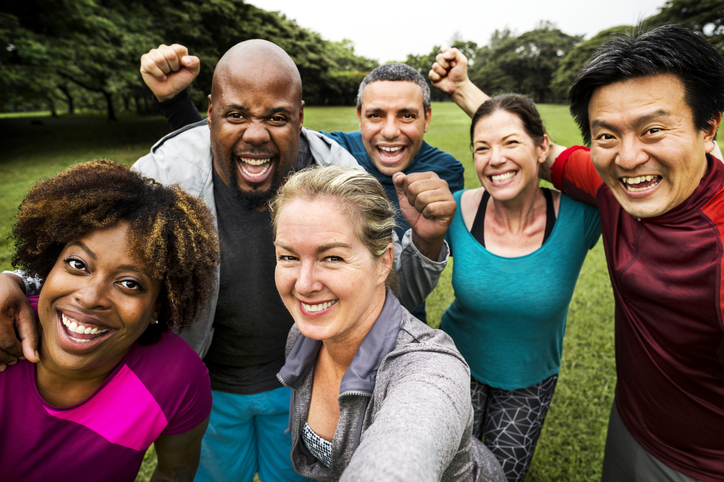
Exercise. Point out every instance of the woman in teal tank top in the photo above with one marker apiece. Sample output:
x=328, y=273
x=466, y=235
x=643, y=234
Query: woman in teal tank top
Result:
x=518, y=250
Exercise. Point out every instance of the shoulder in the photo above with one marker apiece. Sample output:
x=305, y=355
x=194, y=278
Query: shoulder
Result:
x=170, y=361
x=184, y=157
x=327, y=152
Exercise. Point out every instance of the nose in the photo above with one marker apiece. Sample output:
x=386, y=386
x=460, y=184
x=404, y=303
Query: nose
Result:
x=631, y=154
x=256, y=134
x=92, y=295
x=307, y=279
x=390, y=128
x=496, y=156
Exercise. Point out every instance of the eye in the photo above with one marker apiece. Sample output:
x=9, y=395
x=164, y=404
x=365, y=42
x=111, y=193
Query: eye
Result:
x=286, y=257
x=277, y=120
x=512, y=142
x=131, y=284
x=234, y=116
x=481, y=150
x=75, y=264
x=334, y=259
x=654, y=130
x=605, y=137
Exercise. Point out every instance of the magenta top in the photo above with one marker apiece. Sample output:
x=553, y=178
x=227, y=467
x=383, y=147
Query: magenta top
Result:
x=162, y=389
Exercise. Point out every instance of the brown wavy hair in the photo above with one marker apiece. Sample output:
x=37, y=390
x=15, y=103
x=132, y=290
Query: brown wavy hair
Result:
x=171, y=230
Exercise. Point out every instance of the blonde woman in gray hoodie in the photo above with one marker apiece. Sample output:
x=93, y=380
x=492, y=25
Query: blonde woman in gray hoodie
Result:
x=377, y=394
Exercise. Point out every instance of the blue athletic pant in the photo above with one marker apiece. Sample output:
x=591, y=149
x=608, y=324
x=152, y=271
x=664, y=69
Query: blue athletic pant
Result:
x=246, y=436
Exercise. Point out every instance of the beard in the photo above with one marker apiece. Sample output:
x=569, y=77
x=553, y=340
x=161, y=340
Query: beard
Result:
x=256, y=199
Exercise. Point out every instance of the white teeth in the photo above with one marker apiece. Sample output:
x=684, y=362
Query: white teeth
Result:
x=74, y=327
x=319, y=307
x=390, y=149
x=503, y=177
x=255, y=162
x=630, y=182
x=256, y=174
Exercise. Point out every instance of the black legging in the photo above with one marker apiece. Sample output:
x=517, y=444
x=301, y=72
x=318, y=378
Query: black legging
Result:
x=512, y=420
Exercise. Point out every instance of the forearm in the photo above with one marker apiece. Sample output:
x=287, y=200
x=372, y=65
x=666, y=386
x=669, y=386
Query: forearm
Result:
x=469, y=97
x=179, y=111
x=417, y=273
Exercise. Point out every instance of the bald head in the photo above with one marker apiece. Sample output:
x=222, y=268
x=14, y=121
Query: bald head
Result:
x=260, y=60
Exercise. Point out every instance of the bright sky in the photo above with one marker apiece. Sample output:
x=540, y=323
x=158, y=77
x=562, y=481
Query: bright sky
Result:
x=389, y=30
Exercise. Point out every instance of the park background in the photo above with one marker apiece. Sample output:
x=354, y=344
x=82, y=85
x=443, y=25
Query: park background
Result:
x=70, y=91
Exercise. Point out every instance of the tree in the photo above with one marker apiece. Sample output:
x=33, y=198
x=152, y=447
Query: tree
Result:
x=580, y=55
x=525, y=64
x=703, y=16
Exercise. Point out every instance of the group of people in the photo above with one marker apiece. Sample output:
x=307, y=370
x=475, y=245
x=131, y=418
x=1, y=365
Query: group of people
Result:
x=295, y=263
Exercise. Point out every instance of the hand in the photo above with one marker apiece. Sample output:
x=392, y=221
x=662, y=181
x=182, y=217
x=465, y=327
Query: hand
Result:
x=428, y=207
x=16, y=315
x=168, y=70
x=449, y=71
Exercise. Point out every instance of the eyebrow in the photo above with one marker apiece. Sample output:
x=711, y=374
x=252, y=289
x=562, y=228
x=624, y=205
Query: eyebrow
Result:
x=641, y=120
x=271, y=111
x=320, y=249
x=93, y=256
x=377, y=110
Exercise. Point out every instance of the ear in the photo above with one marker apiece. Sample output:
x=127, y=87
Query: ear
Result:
x=156, y=312
x=543, y=149
x=710, y=133
x=208, y=113
x=428, y=116
x=386, y=263
x=301, y=116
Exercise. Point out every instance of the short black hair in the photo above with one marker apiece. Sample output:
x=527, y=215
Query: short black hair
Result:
x=669, y=49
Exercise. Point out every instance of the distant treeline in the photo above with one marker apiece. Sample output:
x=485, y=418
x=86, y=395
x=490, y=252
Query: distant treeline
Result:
x=84, y=54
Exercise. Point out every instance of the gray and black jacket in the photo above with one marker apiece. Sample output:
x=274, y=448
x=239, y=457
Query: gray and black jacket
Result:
x=405, y=411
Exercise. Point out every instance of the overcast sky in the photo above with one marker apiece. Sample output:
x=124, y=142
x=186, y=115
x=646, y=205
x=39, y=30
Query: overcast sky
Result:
x=389, y=30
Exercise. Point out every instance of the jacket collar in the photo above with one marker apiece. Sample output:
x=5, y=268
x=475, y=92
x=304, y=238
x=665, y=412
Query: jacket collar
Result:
x=361, y=375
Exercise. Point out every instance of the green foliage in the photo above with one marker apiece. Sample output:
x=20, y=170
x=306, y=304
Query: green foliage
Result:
x=524, y=64
x=703, y=16
x=579, y=56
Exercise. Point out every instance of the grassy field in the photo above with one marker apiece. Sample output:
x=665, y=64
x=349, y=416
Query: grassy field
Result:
x=571, y=446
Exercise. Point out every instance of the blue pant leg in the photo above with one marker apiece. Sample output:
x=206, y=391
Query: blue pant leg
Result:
x=229, y=447
x=275, y=446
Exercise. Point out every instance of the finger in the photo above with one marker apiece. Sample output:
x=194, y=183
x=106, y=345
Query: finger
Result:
x=172, y=56
x=150, y=65
x=181, y=50
x=192, y=63
x=10, y=348
x=27, y=327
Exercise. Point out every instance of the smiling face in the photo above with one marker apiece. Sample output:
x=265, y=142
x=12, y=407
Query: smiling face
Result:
x=328, y=279
x=644, y=144
x=255, y=116
x=95, y=303
x=393, y=121
x=506, y=157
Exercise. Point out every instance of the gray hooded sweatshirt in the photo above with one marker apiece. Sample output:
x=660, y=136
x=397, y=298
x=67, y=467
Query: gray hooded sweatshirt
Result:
x=405, y=411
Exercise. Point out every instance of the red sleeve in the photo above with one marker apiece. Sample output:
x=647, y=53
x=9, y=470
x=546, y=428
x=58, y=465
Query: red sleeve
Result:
x=574, y=174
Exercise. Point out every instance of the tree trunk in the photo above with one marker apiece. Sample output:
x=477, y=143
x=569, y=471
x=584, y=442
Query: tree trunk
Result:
x=109, y=104
x=69, y=98
x=51, y=104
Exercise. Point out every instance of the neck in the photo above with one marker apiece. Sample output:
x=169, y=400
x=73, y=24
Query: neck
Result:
x=518, y=214
x=64, y=388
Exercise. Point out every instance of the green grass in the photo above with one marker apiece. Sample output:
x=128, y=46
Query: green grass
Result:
x=571, y=446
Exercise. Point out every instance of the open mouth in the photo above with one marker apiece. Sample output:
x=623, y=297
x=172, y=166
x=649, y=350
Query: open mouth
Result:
x=82, y=332
x=391, y=154
x=502, y=178
x=318, y=308
x=254, y=170
x=640, y=183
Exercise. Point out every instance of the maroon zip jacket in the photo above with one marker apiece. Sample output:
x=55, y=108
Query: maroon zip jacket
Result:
x=666, y=274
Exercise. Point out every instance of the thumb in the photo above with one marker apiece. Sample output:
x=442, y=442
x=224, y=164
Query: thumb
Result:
x=28, y=333
x=192, y=63
x=398, y=179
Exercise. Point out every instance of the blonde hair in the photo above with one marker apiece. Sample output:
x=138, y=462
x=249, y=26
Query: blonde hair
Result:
x=359, y=194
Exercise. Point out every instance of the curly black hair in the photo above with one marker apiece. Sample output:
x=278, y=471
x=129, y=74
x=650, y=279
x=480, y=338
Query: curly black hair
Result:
x=171, y=230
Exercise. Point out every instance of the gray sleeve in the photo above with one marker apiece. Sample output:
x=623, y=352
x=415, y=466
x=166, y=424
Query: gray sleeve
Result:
x=32, y=284
x=421, y=422
x=418, y=275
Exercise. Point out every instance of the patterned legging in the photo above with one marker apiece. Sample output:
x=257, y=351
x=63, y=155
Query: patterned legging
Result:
x=509, y=422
